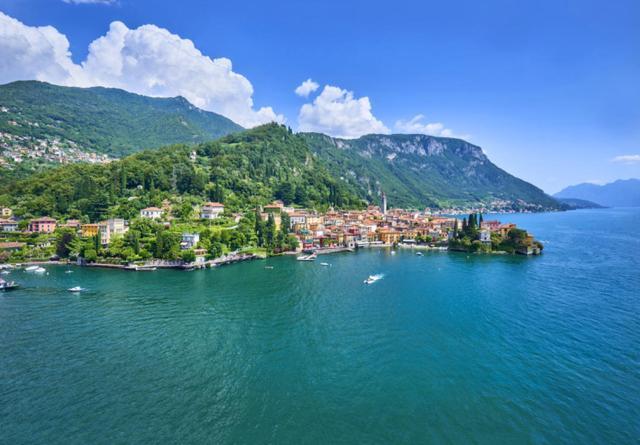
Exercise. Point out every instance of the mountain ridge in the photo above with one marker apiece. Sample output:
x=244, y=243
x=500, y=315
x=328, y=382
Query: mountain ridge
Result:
x=103, y=120
x=619, y=193
x=416, y=170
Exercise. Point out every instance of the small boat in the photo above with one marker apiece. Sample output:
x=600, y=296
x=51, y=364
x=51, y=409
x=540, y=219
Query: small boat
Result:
x=393, y=252
x=40, y=270
x=310, y=257
x=68, y=271
x=419, y=253
x=268, y=267
x=372, y=279
x=75, y=289
x=325, y=264
x=7, y=285
x=5, y=272
x=31, y=268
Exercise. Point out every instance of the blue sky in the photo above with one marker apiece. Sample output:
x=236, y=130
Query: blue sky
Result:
x=549, y=89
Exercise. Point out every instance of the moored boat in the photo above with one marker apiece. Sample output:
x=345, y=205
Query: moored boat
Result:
x=7, y=285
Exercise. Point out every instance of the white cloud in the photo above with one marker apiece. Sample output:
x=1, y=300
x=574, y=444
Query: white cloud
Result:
x=147, y=60
x=307, y=87
x=336, y=112
x=416, y=126
x=87, y=2
x=40, y=53
x=627, y=159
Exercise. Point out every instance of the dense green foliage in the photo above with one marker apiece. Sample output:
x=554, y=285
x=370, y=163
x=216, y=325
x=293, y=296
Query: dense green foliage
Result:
x=106, y=120
x=242, y=170
x=418, y=171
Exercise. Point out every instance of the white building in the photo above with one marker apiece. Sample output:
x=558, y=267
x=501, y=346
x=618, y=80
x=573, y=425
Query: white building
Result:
x=211, y=210
x=189, y=241
x=297, y=219
x=485, y=236
x=151, y=212
x=7, y=225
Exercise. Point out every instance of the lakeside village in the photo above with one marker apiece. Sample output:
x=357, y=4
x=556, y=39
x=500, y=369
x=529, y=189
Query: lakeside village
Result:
x=186, y=236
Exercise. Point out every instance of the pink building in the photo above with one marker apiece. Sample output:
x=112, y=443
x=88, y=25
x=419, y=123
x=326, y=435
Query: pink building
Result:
x=42, y=225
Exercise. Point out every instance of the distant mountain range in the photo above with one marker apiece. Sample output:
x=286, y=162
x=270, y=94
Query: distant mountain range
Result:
x=621, y=193
x=103, y=120
x=419, y=170
x=575, y=204
x=43, y=124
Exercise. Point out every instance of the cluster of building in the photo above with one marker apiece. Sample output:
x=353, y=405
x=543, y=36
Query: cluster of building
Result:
x=15, y=149
x=333, y=229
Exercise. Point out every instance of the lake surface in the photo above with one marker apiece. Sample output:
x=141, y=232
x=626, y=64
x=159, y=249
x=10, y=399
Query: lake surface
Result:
x=446, y=348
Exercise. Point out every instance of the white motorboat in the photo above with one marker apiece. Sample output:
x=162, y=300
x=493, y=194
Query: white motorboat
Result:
x=75, y=289
x=310, y=257
x=40, y=270
x=419, y=253
x=373, y=278
x=7, y=285
x=325, y=264
x=31, y=268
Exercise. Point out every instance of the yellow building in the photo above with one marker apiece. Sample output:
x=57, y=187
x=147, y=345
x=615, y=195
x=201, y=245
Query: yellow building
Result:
x=89, y=230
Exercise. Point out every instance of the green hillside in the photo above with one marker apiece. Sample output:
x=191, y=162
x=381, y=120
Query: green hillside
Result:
x=419, y=170
x=242, y=170
x=105, y=120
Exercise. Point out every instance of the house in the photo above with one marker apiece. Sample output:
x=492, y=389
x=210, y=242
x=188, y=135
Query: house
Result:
x=89, y=230
x=117, y=226
x=7, y=225
x=274, y=207
x=297, y=220
x=43, y=225
x=201, y=256
x=189, y=241
x=6, y=212
x=12, y=246
x=211, y=210
x=485, y=236
x=71, y=224
x=151, y=213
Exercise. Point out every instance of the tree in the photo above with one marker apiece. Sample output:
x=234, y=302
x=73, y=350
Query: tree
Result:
x=259, y=229
x=188, y=256
x=90, y=255
x=64, y=240
x=270, y=232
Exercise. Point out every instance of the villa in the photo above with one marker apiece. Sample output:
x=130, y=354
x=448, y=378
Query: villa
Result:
x=151, y=213
x=211, y=210
x=42, y=225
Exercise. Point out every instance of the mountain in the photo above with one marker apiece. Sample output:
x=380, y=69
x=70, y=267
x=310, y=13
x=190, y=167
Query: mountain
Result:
x=242, y=170
x=420, y=170
x=621, y=193
x=38, y=119
x=574, y=203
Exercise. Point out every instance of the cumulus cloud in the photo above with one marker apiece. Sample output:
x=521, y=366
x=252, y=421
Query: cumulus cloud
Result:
x=40, y=53
x=147, y=60
x=307, y=87
x=338, y=113
x=415, y=125
x=627, y=159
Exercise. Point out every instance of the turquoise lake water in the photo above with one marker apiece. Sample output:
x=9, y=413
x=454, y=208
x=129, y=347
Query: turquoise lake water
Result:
x=446, y=348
